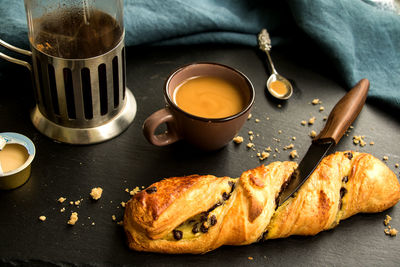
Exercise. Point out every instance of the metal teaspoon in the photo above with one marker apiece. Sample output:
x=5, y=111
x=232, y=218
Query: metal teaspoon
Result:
x=275, y=79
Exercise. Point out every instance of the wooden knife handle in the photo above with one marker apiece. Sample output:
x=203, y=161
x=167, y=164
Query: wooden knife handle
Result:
x=344, y=113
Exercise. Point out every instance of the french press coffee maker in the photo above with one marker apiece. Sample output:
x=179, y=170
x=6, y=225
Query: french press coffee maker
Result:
x=78, y=69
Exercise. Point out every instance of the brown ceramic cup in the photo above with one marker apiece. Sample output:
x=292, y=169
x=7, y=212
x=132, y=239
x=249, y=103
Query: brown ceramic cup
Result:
x=204, y=133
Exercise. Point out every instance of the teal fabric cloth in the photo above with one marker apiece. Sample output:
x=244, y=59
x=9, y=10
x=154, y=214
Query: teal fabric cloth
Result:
x=359, y=38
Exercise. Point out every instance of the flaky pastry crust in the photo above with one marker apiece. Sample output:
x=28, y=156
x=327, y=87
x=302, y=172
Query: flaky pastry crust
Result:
x=196, y=214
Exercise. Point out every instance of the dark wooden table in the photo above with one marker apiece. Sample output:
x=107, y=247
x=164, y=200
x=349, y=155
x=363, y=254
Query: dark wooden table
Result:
x=127, y=161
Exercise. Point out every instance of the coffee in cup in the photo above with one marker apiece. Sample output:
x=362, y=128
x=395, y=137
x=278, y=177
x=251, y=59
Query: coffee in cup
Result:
x=206, y=105
x=209, y=97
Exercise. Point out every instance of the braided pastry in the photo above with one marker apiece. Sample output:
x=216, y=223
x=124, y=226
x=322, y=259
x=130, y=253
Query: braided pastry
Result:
x=196, y=214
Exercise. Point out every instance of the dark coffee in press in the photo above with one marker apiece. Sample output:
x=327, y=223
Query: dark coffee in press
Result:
x=75, y=34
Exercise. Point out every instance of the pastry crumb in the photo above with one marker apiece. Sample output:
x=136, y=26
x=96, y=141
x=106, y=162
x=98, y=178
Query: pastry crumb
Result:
x=311, y=120
x=303, y=122
x=315, y=101
x=134, y=191
x=250, y=258
x=321, y=108
x=73, y=218
x=250, y=133
x=238, y=139
x=385, y=158
x=96, y=193
x=42, y=218
x=391, y=231
x=288, y=147
x=371, y=143
x=263, y=155
x=257, y=120
x=77, y=202
x=294, y=138
x=61, y=199
x=250, y=145
x=387, y=219
x=113, y=218
x=279, y=106
x=62, y=210
x=120, y=223
x=269, y=149
x=293, y=154
x=313, y=134
x=325, y=118
x=396, y=165
x=359, y=139
x=123, y=204
x=279, y=131
x=249, y=117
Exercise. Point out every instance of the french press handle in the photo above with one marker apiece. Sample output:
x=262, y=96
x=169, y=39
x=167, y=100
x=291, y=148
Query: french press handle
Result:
x=18, y=50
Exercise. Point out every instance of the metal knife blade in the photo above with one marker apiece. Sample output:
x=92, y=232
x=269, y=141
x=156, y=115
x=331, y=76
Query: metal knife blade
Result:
x=341, y=117
x=306, y=167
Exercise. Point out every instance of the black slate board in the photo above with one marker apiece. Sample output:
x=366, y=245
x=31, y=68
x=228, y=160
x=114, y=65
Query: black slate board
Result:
x=128, y=161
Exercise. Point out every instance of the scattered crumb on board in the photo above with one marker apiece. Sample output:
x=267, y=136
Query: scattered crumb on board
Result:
x=238, y=139
x=389, y=230
x=73, y=218
x=96, y=193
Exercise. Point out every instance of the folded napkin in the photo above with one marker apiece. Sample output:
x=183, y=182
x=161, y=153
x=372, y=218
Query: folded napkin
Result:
x=360, y=38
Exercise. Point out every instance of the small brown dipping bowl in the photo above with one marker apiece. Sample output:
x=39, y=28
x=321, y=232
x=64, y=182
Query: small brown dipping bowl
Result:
x=204, y=133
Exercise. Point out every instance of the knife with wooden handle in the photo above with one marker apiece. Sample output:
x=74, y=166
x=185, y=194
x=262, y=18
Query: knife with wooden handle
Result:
x=341, y=117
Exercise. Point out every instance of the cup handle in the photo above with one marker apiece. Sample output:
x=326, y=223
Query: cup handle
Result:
x=18, y=50
x=156, y=119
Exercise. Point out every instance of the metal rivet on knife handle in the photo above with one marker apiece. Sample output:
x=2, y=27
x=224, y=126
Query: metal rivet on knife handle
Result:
x=344, y=113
